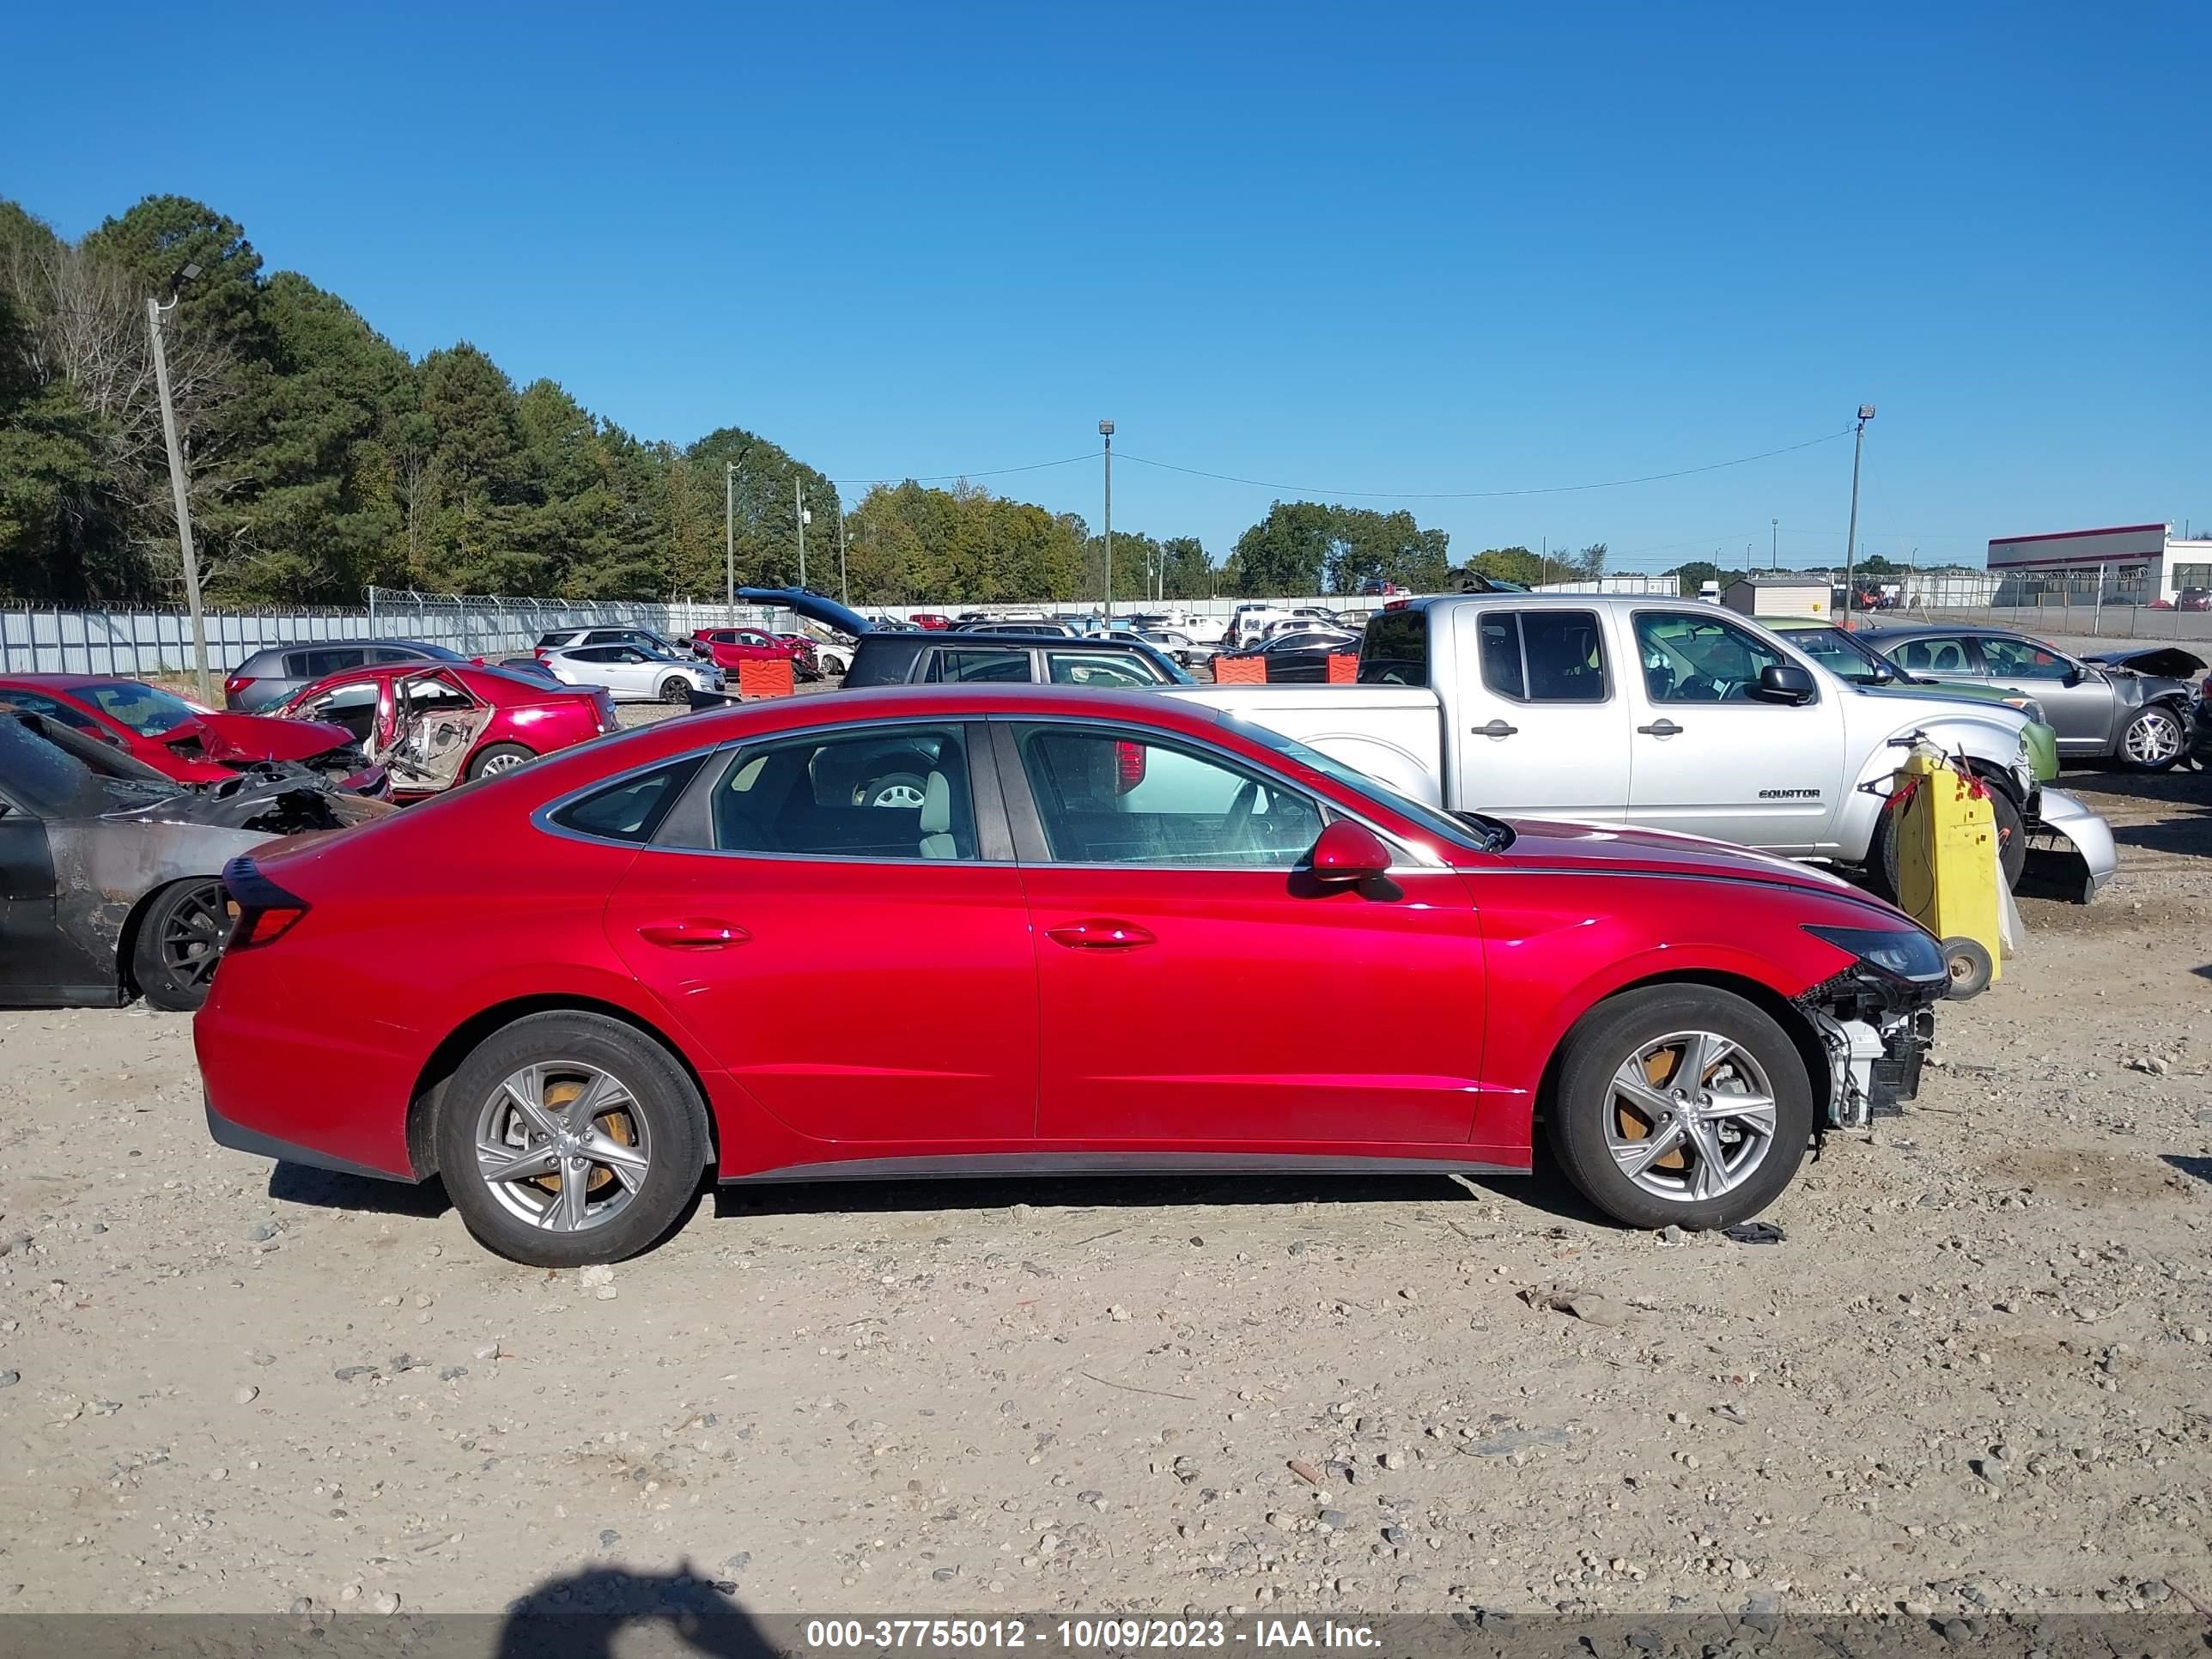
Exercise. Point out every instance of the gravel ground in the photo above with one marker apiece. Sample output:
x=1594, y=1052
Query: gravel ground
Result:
x=1973, y=1374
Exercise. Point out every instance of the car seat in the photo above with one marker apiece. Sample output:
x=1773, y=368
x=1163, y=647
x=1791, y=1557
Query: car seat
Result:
x=937, y=841
x=1947, y=659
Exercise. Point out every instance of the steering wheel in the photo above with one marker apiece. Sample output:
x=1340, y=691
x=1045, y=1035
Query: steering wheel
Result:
x=1237, y=826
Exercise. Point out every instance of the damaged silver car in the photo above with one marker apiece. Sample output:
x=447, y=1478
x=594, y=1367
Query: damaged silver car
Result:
x=109, y=872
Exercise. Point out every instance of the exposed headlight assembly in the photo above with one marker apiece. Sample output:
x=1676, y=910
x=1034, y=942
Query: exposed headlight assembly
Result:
x=1902, y=953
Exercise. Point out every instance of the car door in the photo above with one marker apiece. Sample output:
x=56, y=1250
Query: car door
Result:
x=436, y=724
x=2077, y=700
x=358, y=705
x=863, y=971
x=36, y=964
x=1196, y=988
x=1709, y=757
x=1543, y=721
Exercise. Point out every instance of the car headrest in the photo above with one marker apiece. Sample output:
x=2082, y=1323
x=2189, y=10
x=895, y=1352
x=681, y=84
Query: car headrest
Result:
x=936, y=805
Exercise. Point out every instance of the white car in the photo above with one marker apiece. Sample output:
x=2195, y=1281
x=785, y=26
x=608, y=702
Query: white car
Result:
x=633, y=674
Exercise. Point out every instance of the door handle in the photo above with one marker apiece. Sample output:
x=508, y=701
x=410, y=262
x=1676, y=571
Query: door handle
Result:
x=1100, y=934
x=1661, y=727
x=694, y=933
x=1495, y=729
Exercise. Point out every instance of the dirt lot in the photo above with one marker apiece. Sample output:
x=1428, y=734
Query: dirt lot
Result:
x=1974, y=1374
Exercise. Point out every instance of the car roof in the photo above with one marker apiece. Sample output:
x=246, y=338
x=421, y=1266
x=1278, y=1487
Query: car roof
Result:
x=71, y=682
x=1961, y=630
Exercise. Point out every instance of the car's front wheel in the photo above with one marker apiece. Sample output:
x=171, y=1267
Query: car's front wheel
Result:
x=1680, y=1104
x=566, y=1139
x=2153, y=740
x=675, y=689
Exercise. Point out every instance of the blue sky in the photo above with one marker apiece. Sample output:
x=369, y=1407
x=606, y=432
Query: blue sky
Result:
x=1384, y=249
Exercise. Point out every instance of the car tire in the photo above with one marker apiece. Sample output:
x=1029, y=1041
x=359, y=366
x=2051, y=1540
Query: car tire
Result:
x=675, y=689
x=1594, y=1124
x=648, y=1109
x=896, y=789
x=179, y=940
x=2011, y=825
x=499, y=757
x=2154, y=739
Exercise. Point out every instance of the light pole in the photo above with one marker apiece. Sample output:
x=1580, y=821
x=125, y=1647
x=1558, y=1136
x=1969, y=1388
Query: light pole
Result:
x=799, y=511
x=730, y=538
x=844, y=588
x=1774, y=544
x=177, y=482
x=1106, y=432
x=1851, y=535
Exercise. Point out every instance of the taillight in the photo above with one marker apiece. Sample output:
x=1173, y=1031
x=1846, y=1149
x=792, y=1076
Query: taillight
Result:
x=1128, y=766
x=259, y=910
x=236, y=684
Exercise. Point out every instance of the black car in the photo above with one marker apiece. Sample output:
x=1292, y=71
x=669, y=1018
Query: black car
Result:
x=109, y=870
x=270, y=677
x=938, y=656
x=1300, y=657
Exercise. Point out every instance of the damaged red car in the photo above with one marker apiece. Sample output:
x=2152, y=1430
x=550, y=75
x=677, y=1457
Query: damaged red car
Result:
x=189, y=745
x=435, y=725
x=600, y=979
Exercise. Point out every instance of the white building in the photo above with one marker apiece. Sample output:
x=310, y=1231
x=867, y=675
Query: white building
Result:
x=1793, y=594
x=2129, y=564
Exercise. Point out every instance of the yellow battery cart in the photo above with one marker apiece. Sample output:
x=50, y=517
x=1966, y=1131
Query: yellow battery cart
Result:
x=1949, y=878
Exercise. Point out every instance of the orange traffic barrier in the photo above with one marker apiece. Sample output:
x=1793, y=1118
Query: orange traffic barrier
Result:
x=1343, y=668
x=765, y=678
x=1240, y=670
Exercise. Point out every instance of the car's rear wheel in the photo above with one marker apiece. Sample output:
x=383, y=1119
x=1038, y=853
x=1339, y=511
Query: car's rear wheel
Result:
x=2153, y=740
x=1680, y=1104
x=566, y=1139
x=179, y=941
x=500, y=757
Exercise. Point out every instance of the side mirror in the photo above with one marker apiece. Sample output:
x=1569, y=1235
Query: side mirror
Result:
x=1349, y=851
x=1784, y=681
x=2074, y=675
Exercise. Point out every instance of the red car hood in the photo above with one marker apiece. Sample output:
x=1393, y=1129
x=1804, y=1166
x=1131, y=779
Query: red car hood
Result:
x=1608, y=848
x=237, y=738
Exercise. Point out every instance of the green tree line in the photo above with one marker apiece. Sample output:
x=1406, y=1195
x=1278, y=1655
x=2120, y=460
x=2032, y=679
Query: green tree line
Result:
x=322, y=459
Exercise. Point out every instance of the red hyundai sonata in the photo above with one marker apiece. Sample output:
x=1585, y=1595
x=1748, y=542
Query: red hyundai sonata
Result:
x=1087, y=932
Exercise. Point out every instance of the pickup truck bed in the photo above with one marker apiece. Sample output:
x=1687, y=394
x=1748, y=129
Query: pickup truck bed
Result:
x=1394, y=734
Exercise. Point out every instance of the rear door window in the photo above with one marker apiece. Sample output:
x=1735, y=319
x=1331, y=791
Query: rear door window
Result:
x=888, y=792
x=993, y=664
x=1543, y=656
x=1100, y=670
x=1928, y=653
x=314, y=664
x=388, y=654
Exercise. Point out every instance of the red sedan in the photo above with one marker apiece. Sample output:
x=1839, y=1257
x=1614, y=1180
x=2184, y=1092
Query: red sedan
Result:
x=726, y=648
x=435, y=725
x=1088, y=931
x=192, y=745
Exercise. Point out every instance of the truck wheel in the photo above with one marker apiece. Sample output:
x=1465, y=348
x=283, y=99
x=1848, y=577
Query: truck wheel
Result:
x=566, y=1139
x=2152, y=741
x=2012, y=844
x=1680, y=1104
x=179, y=941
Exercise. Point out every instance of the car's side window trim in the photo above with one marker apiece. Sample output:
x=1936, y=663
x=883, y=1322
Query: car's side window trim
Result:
x=1031, y=847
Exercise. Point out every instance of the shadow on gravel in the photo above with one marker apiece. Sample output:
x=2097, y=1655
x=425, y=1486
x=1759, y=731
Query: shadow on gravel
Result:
x=2199, y=1167
x=327, y=1189
x=1545, y=1192
x=582, y=1615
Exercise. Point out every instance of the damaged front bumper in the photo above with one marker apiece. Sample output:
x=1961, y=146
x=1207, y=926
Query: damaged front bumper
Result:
x=1875, y=1030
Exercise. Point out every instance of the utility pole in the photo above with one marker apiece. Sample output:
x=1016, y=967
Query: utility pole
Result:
x=177, y=485
x=844, y=588
x=730, y=538
x=1774, y=544
x=799, y=511
x=1851, y=535
x=1106, y=432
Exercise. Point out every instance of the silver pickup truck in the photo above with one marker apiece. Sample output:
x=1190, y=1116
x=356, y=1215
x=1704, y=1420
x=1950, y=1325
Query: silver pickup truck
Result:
x=1672, y=715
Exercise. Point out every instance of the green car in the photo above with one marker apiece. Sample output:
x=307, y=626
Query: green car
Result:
x=1851, y=659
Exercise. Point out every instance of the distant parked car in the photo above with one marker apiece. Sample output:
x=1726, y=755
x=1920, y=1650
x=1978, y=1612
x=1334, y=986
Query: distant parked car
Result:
x=1382, y=588
x=185, y=743
x=529, y=668
x=1297, y=656
x=2100, y=713
x=727, y=647
x=930, y=619
x=632, y=674
x=273, y=675
x=2190, y=598
x=1063, y=629
x=568, y=638
x=433, y=727
x=1186, y=651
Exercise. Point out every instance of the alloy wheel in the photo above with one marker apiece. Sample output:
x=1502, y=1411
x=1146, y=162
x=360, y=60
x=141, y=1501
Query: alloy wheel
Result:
x=1690, y=1116
x=498, y=763
x=192, y=939
x=561, y=1145
x=2153, y=738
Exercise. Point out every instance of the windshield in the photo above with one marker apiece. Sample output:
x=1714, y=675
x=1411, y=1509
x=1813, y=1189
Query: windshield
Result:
x=1469, y=829
x=146, y=710
x=55, y=777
